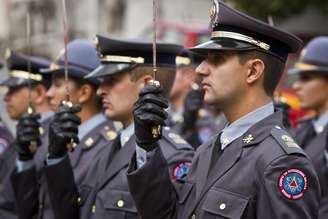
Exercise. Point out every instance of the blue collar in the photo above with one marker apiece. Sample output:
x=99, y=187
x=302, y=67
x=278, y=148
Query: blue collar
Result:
x=320, y=123
x=240, y=126
x=90, y=124
x=126, y=134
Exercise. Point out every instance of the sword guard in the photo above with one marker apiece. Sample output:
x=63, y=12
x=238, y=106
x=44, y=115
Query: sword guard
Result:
x=30, y=110
x=33, y=146
x=71, y=146
x=154, y=83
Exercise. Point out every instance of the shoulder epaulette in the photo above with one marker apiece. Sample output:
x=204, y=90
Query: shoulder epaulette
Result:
x=286, y=142
x=108, y=133
x=175, y=139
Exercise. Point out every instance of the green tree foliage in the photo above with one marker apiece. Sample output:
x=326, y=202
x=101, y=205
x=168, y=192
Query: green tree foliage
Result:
x=278, y=8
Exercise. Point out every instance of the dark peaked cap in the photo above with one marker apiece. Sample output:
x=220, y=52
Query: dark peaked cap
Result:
x=233, y=30
x=17, y=65
x=122, y=55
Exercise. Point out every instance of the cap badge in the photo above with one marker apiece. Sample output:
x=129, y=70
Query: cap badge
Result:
x=214, y=13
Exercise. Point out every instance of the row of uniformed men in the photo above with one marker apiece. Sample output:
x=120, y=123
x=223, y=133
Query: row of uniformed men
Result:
x=250, y=169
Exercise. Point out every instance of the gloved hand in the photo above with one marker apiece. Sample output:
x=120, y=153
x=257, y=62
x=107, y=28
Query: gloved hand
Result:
x=193, y=102
x=28, y=136
x=149, y=116
x=63, y=130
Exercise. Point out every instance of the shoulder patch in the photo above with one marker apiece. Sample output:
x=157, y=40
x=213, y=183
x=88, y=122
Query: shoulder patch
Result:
x=287, y=143
x=293, y=183
x=181, y=170
x=175, y=139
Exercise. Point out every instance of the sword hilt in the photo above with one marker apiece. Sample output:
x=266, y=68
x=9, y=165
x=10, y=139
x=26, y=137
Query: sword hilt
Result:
x=72, y=144
x=156, y=129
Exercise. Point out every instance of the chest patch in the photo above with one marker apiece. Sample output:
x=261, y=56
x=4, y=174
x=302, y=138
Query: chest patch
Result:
x=293, y=183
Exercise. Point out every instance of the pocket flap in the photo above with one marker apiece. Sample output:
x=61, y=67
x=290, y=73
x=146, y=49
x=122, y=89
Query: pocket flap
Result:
x=225, y=203
x=119, y=200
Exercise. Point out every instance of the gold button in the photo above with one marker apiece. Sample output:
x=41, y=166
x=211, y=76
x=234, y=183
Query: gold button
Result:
x=79, y=200
x=193, y=216
x=222, y=206
x=120, y=203
x=93, y=209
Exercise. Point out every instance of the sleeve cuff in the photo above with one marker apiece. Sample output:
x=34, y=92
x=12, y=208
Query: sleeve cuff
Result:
x=55, y=161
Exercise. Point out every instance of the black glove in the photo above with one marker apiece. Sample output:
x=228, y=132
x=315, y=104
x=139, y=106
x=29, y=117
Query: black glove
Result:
x=28, y=136
x=63, y=130
x=193, y=102
x=149, y=116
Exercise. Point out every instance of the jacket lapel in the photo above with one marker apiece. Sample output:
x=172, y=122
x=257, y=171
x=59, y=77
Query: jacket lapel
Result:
x=204, y=165
x=228, y=158
x=120, y=160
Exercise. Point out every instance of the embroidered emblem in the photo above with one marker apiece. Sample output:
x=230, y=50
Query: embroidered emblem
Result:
x=89, y=142
x=293, y=183
x=181, y=170
x=111, y=135
x=248, y=139
x=289, y=141
x=225, y=141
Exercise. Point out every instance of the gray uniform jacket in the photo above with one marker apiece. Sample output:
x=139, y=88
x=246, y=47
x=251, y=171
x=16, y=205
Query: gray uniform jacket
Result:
x=304, y=133
x=105, y=193
x=315, y=150
x=7, y=194
x=266, y=176
x=33, y=181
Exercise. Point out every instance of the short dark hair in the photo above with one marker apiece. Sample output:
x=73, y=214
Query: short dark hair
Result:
x=79, y=82
x=165, y=75
x=274, y=68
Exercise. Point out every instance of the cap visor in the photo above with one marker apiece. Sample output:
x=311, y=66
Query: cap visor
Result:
x=109, y=69
x=221, y=44
x=13, y=82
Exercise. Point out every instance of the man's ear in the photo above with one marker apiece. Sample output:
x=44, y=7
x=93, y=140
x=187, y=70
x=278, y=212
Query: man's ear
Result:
x=147, y=78
x=85, y=93
x=255, y=70
x=40, y=94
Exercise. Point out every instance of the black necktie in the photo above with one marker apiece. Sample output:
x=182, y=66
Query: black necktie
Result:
x=115, y=147
x=216, y=152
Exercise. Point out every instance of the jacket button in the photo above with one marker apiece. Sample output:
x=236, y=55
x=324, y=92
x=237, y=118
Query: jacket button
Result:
x=93, y=209
x=193, y=216
x=222, y=206
x=120, y=203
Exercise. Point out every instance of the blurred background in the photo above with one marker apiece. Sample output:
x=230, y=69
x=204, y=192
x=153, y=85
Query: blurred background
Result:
x=180, y=21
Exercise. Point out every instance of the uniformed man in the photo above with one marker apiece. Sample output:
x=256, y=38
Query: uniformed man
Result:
x=82, y=59
x=312, y=88
x=24, y=88
x=5, y=138
x=126, y=68
x=252, y=168
x=187, y=114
